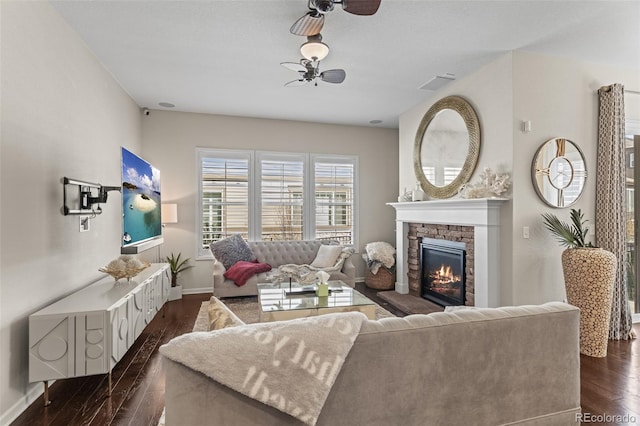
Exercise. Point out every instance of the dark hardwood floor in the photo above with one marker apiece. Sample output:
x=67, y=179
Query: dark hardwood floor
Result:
x=609, y=386
x=138, y=380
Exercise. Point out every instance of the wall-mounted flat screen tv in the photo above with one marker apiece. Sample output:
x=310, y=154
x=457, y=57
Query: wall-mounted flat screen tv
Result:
x=141, y=220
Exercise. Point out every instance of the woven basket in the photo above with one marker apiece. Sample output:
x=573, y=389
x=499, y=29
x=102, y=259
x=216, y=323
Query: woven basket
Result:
x=383, y=280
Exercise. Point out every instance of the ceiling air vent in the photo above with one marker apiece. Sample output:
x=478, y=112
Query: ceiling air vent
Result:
x=438, y=82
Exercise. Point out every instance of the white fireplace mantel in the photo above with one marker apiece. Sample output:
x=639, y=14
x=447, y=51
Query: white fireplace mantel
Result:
x=481, y=213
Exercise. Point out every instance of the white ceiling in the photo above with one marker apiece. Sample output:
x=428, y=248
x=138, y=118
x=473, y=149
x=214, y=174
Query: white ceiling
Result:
x=222, y=57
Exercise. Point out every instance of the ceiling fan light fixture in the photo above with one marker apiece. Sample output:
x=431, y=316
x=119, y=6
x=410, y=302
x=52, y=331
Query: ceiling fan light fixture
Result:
x=314, y=49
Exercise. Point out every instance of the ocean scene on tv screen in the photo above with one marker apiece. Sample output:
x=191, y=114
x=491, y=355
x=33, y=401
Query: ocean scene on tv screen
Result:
x=140, y=199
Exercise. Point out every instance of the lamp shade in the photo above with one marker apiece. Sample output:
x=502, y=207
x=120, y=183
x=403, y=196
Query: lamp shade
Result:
x=169, y=213
x=314, y=50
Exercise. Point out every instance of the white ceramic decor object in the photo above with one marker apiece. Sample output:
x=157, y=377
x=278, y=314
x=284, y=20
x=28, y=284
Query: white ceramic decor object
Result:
x=323, y=277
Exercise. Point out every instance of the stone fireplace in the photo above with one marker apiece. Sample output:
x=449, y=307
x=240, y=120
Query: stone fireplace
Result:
x=476, y=222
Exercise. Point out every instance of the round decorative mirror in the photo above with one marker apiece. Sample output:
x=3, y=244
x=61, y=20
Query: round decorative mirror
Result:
x=447, y=147
x=559, y=172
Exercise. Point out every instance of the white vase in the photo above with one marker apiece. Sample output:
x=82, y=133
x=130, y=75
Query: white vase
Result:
x=175, y=293
x=418, y=194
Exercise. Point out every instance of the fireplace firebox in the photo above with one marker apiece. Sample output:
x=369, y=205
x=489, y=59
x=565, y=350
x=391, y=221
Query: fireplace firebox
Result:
x=442, y=275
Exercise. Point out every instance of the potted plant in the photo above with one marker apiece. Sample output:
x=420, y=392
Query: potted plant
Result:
x=176, y=266
x=589, y=274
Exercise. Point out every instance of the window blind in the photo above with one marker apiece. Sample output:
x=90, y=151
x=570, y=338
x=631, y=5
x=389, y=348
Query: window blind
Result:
x=225, y=198
x=275, y=196
x=281, y=192
x=334, y=198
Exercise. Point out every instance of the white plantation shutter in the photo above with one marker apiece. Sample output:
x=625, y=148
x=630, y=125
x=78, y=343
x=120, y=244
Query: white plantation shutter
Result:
x=275, y=196
x=334, y=182
x=281, y=195
x=224, y=197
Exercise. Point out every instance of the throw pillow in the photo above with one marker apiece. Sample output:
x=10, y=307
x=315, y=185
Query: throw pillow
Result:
x=220, y=316
x=241, y=271
x=231, y=250
x=327, y=256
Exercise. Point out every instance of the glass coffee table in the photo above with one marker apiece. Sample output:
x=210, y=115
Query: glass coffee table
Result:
x=277, y=303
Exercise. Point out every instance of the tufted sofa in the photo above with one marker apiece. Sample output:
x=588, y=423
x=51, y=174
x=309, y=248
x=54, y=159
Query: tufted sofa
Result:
x=276, y=253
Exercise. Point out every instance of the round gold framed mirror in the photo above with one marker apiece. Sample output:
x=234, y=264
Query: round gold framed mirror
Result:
x=447, y=147
x=559, y=172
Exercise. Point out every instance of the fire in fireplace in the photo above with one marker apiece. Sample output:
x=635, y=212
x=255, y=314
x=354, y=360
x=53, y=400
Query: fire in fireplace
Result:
x=442, y=276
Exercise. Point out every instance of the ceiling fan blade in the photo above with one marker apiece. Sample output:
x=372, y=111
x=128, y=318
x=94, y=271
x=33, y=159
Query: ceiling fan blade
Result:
x=361, y=7
x=294, y=83
x=294, y=66
x=333, y=76
x=309, y=25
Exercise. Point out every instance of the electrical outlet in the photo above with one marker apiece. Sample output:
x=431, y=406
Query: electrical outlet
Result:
x=525, y=232
x=84, y=223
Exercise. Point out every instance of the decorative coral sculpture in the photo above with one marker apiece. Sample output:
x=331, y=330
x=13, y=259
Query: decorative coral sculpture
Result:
x=491, y=184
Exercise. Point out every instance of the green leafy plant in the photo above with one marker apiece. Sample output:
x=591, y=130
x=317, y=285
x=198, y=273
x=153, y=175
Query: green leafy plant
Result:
x=176, y=266
x=571, y=235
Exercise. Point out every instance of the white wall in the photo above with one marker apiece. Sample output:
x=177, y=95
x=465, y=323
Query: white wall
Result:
x=170, y=139
x=559, y=97
x=62, y=115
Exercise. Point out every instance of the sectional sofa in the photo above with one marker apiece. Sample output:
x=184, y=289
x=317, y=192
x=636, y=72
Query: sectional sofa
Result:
x=502, y=366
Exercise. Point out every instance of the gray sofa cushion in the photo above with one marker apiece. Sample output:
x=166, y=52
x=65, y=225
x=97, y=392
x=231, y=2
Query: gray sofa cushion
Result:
x=230, y=250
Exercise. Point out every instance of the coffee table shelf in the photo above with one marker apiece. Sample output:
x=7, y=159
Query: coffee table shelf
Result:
x=276, y=304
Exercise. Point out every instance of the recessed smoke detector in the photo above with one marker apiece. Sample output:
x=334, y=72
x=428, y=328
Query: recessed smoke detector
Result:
x=375, y=121
x=438, y=82
x=166, y=104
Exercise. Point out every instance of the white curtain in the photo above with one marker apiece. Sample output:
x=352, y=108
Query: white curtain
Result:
x=610, y=200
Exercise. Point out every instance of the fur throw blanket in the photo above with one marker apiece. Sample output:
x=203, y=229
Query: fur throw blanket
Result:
x=289, y=365
x=380, y=253
x=307, y=274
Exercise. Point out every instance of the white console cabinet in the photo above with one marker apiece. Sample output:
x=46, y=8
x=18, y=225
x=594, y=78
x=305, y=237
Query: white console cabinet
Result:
x=89, y=331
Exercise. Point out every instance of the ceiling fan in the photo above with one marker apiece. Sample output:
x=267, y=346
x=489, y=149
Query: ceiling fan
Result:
x=311, y=23
x=310, y=70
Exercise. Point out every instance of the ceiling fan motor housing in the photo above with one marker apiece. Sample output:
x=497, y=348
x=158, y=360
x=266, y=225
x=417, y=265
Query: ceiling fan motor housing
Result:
x=323, y=6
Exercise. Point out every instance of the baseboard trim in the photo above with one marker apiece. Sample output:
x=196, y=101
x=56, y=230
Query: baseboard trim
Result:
x=196, y=290
x=23, y=403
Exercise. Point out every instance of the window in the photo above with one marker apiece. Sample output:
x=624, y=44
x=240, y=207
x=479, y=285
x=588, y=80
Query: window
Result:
x=282, y=203
x=224, y=196
x=334, y=194
x=275, y=196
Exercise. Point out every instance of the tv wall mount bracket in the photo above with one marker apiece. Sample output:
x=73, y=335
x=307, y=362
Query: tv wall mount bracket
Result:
x=85, y=196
